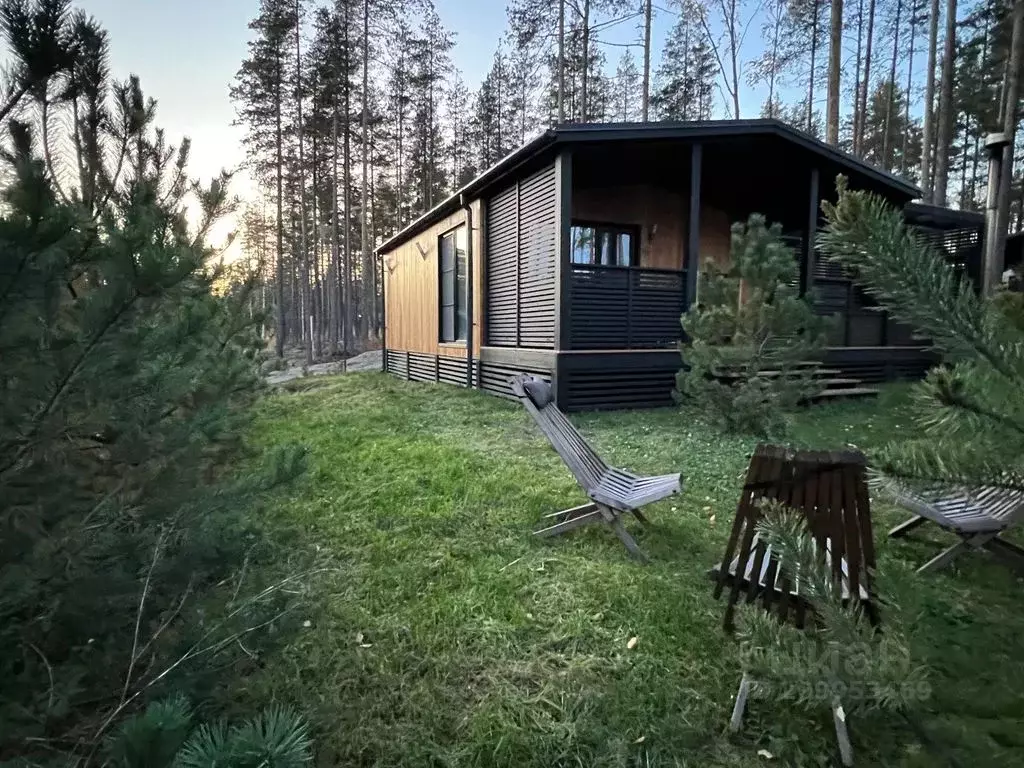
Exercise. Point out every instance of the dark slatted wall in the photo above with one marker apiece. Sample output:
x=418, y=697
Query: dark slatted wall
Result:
x=624, y=308
x=857, y=320
x=521, y=235
x=417, y=366
x=503, y=269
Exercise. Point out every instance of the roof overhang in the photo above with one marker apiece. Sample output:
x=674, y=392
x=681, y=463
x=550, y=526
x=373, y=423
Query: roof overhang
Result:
x=685, y=131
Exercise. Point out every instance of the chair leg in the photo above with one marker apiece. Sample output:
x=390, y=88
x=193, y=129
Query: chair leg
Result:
x=568, y=514
x=570, y=524
x=904, y=528
x=613, y=519
x=640, y=516
x=741, y=703
x=1009, y=553
x=842, y=735
x=944, y=558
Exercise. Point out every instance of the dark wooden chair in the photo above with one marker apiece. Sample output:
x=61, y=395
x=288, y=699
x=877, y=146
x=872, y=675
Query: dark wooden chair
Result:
x=977, y=515
x=612, y=492
x=830, y=489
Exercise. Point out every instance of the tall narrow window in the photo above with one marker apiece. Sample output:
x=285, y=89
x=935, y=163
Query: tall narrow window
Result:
x=452, y=264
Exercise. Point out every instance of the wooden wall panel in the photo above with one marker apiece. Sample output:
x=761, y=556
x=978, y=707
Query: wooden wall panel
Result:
x=715, y=237
x=411, y=290
x=660, y=214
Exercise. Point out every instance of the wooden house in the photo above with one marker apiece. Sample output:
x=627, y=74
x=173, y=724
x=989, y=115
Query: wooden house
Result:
x=574, y=257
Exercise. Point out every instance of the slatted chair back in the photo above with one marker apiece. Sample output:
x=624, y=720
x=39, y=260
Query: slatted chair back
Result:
x=829, y=488
x=586, y=466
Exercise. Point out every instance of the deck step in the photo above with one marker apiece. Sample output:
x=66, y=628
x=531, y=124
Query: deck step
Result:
x=845, y=392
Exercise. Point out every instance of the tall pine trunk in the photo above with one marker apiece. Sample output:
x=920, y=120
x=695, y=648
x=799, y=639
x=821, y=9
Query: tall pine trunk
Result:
x=944, y=137
x=1010, y=111
x=561, y=61
x=336, y=302
x=928, y=130
x=282, y=326
x=369, y=287
x=307, y=303
x=645, y=97
x=865, y=84
x=835, y=47
x=586, y=61
x=814, y=54
x=890, y=104
x=856, y=82
x=910, y=83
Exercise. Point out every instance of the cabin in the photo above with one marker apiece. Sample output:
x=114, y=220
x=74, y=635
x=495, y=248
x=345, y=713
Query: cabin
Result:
x=574, y=257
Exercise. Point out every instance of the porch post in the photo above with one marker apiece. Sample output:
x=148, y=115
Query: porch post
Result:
x=693, y=227
x=807, y=257
x=563, y=220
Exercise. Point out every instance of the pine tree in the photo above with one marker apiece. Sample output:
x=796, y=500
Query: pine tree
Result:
x=803, y=43
x=751, y=321
x=259, y=92
x=884, y=128
x=768, y=67
x=685, y=78
x=626, y=106
x=970, y=409
x=131, y=355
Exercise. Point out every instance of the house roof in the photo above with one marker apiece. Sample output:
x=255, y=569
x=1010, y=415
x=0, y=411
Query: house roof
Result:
x=692, y=130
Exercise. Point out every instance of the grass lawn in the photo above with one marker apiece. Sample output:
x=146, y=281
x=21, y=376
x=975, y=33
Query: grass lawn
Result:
x=450, y=636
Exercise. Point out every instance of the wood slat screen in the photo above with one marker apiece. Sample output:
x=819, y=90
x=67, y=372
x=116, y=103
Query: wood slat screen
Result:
x=521, y=242
x=625, y=307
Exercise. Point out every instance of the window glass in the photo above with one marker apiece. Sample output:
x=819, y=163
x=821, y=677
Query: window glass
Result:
x=452, y=283
x=607, y=245
x=582, y=248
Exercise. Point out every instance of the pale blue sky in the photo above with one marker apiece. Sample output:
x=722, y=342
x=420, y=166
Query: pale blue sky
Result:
x=187, y=52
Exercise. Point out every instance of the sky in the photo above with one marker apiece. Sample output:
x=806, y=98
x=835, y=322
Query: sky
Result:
x=187, y=52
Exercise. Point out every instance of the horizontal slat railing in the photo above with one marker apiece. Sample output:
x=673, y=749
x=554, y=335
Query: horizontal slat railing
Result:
x=625, y=307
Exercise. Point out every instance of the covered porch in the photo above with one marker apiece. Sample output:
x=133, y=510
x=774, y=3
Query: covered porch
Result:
x=645, y=216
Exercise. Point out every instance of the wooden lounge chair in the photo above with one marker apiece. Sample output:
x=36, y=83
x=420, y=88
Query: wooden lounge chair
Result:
x=977, y=515
x=612, y=492
x=830, y=490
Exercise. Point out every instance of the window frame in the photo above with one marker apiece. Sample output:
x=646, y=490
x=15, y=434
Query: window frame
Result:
x=633, y=230
x=456, y=339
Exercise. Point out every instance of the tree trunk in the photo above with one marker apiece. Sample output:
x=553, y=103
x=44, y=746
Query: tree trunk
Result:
x=1010, y=112
x=890, y=105
x=734, y=45
x=945, y=118
x=561, y=61
x=910, y=82
x=814, y=54
x=586, y=61
x=307, y=304
x=835, y=49
x=646, y=95
x=282, y=326
x=856, y=80
x=369, y=297
x=346, y=170
x=928, y=130
x=336, y=303
x=865, y=85
x=317, y=303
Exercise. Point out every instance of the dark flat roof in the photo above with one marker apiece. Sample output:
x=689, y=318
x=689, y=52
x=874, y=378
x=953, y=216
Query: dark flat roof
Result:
x=942, y=218
x=579, y=133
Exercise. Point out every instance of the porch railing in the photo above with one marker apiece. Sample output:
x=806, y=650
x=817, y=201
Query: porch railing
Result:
x=625, y=307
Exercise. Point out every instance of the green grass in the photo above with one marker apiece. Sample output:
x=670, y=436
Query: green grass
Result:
x=450, y=636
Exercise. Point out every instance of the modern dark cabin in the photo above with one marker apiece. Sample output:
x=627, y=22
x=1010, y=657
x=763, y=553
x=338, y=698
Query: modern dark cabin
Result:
x=574, y=257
